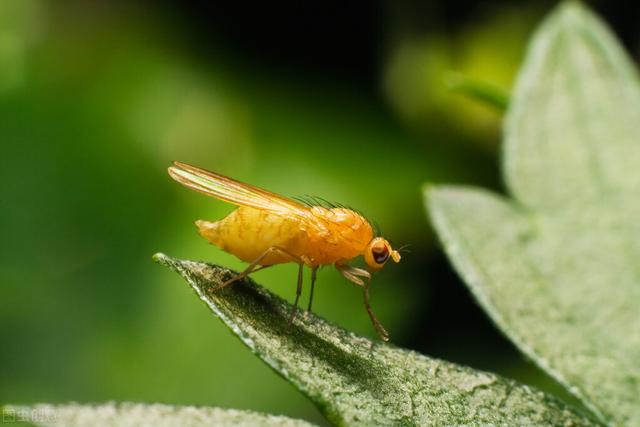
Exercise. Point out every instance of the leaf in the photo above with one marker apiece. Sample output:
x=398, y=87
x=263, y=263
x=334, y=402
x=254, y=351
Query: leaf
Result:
x=140, y=415
x=478, y=90
x=557, y=268
x=572, y=131
x=357, y=382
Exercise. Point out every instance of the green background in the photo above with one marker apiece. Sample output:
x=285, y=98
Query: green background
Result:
x=353, y=103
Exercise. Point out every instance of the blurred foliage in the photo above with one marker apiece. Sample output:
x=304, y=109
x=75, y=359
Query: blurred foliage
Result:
x=19, y=31
x=97, y=98
x=422, y=67
x=554, y=264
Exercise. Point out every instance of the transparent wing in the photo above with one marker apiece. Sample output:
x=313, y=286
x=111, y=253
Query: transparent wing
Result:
x=235, y=192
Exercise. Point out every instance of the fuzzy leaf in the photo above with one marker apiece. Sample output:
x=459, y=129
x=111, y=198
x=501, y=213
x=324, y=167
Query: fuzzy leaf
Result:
x=572, y=129
x=358, y=382
x=557, y=268
x=140, y=415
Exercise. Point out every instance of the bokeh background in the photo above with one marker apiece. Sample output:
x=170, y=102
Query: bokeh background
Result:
x=352, y=101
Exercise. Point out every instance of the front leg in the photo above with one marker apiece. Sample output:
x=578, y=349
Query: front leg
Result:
x=382, y=332
x=353, y=274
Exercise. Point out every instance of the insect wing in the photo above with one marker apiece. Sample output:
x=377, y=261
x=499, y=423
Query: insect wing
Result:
x=235, y=192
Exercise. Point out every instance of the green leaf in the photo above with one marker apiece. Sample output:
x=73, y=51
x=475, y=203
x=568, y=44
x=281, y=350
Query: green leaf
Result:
x=572, y=130
x=480, y=91
x=358, y=382
x=557, y=268
x=141, y=415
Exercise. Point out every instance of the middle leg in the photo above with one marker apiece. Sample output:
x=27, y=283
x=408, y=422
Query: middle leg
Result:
x=314, y=271
x=294, y=309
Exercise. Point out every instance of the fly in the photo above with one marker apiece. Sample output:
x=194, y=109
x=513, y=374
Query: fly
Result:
x=268, y=229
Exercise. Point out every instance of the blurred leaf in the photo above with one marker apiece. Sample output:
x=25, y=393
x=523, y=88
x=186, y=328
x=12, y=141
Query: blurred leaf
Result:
x=485, y=49
x=355, y=381
x=481, y=91
x=19, y=31
x=557, y=269
x=572, y=134
x=139, y=415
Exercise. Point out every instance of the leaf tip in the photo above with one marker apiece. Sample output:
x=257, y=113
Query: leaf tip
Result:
x=571, y=6
x=428, y=188
x=166, y=260
x=160, y=258
x=569, y=10
x=434, y=193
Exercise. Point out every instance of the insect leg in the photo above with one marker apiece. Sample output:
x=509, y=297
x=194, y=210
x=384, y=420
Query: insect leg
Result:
x=352, y=273
x=352, y=278
x=359, y=272
x=314, y=270
x=294, y=309
x=262, y=267
x=382, y=332
x=251, y=268
x=348, y=275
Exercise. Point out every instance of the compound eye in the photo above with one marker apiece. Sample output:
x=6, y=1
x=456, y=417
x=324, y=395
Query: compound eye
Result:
x=380, y=254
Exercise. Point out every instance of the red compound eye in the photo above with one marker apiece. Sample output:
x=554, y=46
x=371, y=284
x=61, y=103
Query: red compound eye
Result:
x=380, y=255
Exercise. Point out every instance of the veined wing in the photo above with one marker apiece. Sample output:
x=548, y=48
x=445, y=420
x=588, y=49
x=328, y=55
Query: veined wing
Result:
x=235, y=192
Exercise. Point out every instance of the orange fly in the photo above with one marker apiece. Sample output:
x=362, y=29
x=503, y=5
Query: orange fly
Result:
x=269, y=229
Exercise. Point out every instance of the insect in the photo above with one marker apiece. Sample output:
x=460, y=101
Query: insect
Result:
x=268, y=229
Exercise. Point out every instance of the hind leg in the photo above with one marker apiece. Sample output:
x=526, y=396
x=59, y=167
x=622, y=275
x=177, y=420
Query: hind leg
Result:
x=255, y=265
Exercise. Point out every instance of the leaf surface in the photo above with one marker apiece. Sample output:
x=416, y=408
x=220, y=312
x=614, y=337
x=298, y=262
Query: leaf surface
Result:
x=571, y=132
x=557, y=267
x=358, y=382
x=142, y=415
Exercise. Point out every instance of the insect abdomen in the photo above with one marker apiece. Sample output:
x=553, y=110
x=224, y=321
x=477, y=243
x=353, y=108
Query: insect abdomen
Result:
x=338, y=235
x=247, y=233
